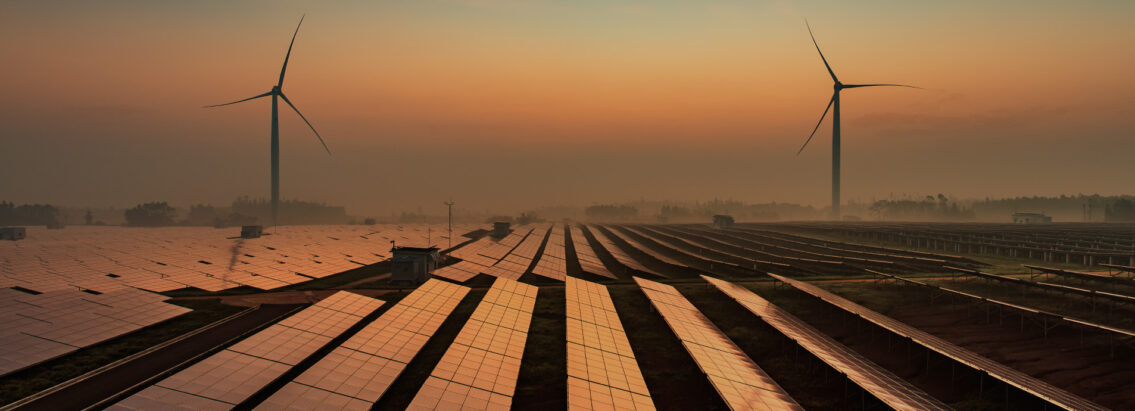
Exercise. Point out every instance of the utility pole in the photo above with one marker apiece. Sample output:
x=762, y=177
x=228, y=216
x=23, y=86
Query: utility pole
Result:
x=450, y=204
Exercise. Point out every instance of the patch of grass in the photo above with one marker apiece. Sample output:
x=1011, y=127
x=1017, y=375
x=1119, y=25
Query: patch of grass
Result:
x=542, y=383
x=52, y=372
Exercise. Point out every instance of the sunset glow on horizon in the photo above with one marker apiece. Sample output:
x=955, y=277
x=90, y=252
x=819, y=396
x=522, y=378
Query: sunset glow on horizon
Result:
x=547, y=91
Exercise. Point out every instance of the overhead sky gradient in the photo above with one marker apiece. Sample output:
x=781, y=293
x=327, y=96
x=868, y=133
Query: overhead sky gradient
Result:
x=509, y=105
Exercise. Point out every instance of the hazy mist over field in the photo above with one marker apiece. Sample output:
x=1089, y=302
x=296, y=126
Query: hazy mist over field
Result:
x=509, y=106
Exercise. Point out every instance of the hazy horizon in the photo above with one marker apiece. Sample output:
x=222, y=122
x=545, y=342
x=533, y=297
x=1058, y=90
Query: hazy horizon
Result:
x=511, y=106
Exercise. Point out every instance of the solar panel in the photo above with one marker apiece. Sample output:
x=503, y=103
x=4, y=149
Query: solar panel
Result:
x=619, y=254
x=480, y=368
x=552, y=263
x=366, y=365
x=44, y=326
x=646, y=250
x=1008, y=375
x=739, y=381
x=880, y=383
x=584, y=252
x=602, y=370
x=1034, y=311
x=169, y=258
x=233, y=375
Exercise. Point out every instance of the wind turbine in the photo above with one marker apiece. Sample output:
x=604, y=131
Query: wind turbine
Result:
x=277, y=93
x=839, y=86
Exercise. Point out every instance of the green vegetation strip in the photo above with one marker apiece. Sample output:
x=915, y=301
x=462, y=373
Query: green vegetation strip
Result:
x=542, y=383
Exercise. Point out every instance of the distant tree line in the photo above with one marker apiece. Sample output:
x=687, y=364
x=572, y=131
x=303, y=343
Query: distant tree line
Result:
x=1120, y=210
x=611, y=212
x=1065, y=207
x=28, y=214
x=929, y=208
x=739, y=210
x=155, y=214
x=291, y=211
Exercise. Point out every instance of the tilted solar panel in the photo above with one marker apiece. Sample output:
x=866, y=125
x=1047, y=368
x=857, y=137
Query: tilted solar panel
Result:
x=480, y=368
x=1029, y=384
x=233, y=375
x=877, y=381
x=366, y=365
x=739, y=381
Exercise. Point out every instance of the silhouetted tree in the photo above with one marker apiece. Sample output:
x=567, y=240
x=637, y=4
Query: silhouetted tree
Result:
x=154, y=214
x=201, y=215
x=1120, y=210
x=28, y=214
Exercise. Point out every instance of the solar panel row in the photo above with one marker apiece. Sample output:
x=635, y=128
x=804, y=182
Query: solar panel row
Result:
x=516, y=263
x=880, y=383
x=618, y=253
x=584, y=252
x=682, y=246
x=739, y=381
x=602, y=370
x=642, y=247
x=39, y=327
x=358, y=372
x=164, y=259
x=480, y=368
x=553, y=263
x=1022, y=381
x=1034, y=311
x=231, y=376
x=480, y=256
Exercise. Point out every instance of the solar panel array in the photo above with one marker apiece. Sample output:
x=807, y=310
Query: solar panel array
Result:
x=553, y=263
x=169, y=258
x=1008, y=375
x=228, y=378
x=619, y=254
x=1048, y=315
x=880, y=383
x=682, y=246
x=480, y=368
x=584, y=252
x=647, y=250
x=482, y=254
x=357, y=373
x=602, y=370
x=739, y=381
x=516, y=263
x=36, y=328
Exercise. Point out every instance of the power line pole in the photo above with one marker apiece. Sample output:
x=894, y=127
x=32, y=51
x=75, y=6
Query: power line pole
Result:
x=450, y=203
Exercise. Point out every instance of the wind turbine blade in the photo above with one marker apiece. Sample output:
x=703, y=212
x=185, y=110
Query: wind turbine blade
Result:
x=239, y=101
x=829, y=107
x=829, y=67
x=289, y=55
x=293, y=106
x=880, y=85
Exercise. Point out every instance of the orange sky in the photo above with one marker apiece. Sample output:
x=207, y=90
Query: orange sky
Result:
x=602, y=101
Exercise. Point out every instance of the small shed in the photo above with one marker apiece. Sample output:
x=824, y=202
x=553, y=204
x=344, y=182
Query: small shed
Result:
x=13, y=233
x=1031, y=218
x=413, y=264
x=722, y=221
x=501, y=229
x=251, y=231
